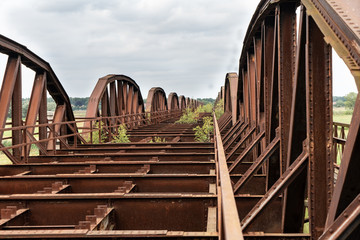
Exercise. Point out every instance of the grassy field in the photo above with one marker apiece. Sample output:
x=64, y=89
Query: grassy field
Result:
x=34, y=151
x=342, y=115
x=79, y=113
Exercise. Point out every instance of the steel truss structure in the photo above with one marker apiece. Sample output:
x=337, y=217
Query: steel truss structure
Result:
x=270, y=172
x=278, y=120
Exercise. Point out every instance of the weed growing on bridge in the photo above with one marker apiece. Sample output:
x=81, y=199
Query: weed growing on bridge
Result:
x=122, y=136
x=208, y=108
x=203, y=133
x=98, y=136
x=219, y=108
x=188, y=117
x=157, y=140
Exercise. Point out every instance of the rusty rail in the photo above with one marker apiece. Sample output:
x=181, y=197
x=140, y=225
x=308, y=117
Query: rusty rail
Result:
x=229, y=213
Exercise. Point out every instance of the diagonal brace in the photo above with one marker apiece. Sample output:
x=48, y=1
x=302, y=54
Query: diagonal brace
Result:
x=283, y=182
x=270, y=149
x=247, y=150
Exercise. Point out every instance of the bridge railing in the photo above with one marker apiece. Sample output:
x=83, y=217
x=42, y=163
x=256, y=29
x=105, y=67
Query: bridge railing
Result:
x=340, y=132
x=229, y=223
x=19, y=153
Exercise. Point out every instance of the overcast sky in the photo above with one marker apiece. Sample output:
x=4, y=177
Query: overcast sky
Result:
x=186, y=46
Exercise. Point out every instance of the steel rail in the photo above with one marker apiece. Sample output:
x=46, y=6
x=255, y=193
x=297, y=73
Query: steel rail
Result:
x=231, y=221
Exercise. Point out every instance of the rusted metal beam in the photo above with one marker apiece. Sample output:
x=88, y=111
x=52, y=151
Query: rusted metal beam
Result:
x=231, y=222
x=346, y=224
x=288, y=176
x=7, y=88
x=257, y=163
x=247, y=150
x=58, y=117
x=320, y=125
x=34, y=104
x=347, y=187
x=16, y=115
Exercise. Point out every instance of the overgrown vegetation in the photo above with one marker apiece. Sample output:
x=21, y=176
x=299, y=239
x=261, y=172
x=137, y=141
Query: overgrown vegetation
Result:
x=191, y=116
x=207, y=108
x=219, y=108
x=98, y=136
x=121, y=136
x=203, y=133
x=157, y=139
x=188, y=117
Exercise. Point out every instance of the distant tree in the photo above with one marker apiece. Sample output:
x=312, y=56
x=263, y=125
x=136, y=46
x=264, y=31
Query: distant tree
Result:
x=78, y=103
x=339, y=103
x=350, y=100
x=51, y=106
x=206, y=100
x=25, y=106
x=338, y=98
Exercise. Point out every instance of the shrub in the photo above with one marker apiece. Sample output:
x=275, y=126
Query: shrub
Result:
x=203, y=133
x=219, y=108
x=157, y=140
x=121, y=136
x=188, y=116
x=208, y=108
x=96, y=138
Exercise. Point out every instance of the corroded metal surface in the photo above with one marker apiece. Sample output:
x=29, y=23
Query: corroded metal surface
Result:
x=173, y=101
x=11, y=96
x=156, y=100
x=118, y=95
x=283, y=112
x=271, y=173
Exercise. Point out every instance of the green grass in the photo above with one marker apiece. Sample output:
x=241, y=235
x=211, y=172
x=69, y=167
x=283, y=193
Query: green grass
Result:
x=306, y=225
x=79, y=113
x=342, y=118
x=4, y=160
x=342, y=115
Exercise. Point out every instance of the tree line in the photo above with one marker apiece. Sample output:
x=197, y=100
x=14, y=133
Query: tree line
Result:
x=347, y=101
x=79, y=103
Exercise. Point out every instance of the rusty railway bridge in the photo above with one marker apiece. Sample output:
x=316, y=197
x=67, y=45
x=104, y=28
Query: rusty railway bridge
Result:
x=270, y=172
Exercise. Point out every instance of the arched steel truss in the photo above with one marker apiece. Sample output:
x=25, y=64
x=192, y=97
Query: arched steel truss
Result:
x=156, y=100
x=188, y=102
x=281, y=115
x=115, y=95
x=173, y=101
x=231, y=98
x=182, y=102
x=11, y=96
